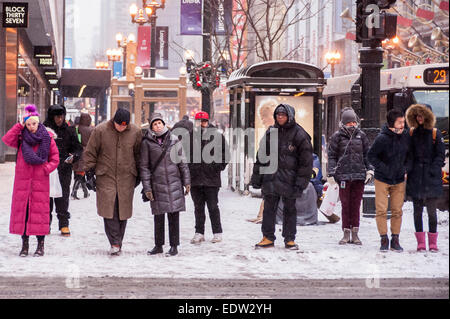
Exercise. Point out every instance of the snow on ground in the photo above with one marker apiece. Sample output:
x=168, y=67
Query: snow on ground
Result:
x=320, y=256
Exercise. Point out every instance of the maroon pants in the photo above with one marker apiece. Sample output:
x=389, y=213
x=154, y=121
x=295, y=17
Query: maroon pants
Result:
x=350, y=195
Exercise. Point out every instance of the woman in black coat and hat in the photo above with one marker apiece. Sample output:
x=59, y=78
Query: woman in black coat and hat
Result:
x=164, y=172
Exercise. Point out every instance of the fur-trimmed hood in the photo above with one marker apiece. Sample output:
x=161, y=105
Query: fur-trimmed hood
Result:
x=425, y=111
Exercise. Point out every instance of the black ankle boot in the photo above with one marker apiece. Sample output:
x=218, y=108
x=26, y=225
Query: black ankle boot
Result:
x=25, y=247
x=384, y=243
x=395, y=244
x=40, y=248
x=155, y=250
x=172, y=251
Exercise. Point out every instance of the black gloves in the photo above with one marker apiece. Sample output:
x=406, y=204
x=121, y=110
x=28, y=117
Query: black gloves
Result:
x=90, y=180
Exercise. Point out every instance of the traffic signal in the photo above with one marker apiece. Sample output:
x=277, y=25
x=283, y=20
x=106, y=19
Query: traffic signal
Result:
x=372, y=23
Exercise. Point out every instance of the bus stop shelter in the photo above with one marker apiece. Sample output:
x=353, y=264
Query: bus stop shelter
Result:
x=254, y=93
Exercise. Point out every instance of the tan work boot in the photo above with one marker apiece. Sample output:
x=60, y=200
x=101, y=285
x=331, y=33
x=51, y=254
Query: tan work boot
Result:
x=65, y=232
x=264, y=243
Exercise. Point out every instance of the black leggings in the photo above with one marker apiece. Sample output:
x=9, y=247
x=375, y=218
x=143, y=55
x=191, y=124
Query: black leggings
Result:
x=25, y=236
x=430, y=204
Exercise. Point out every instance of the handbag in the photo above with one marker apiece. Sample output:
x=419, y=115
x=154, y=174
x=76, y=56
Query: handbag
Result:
x=55, y=185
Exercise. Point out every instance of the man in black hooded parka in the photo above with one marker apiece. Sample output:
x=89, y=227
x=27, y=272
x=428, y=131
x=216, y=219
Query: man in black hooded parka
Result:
x=292, y=175
x=68, y=145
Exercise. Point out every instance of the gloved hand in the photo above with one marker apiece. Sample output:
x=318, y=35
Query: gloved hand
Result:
x=369, y=176
x=330, y=180
x=90, y=181
x=150, y=196
x=188, y=189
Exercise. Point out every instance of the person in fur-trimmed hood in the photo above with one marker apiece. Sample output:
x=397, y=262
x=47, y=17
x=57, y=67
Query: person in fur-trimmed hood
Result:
x=425, y=160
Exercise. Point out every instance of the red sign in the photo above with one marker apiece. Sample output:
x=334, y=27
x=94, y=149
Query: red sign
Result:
x=144, y=46
x=425, y=14
x=443, y=5
x=404, y=21
x=350, y=36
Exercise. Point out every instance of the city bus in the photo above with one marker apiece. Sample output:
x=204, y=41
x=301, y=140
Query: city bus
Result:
x=399, y=87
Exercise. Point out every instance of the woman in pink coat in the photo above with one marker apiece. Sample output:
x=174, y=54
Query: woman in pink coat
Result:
x=37, y=157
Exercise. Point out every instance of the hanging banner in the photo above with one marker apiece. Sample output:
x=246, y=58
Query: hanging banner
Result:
x=144, y=46
x=223, y=17
x=191, y=17
x=162, y=48
x=131, y=60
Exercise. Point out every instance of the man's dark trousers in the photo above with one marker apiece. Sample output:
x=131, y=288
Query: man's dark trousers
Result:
x=205, y=195
x=270, y=214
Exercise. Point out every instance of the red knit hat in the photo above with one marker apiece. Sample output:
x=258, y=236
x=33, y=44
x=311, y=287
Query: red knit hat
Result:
x=202, y=116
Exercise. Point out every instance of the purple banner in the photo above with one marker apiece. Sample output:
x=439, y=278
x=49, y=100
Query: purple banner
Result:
x=162, y=48
x=191, y=17
x=223, y=17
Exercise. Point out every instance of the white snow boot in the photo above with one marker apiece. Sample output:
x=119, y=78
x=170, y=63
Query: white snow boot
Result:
x=217, y=238
x=198, y=238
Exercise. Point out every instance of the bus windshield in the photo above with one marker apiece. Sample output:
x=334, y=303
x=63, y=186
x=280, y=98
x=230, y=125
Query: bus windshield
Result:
x=438, y=100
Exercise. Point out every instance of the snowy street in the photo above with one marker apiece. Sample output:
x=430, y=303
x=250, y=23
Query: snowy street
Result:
x=84, y=255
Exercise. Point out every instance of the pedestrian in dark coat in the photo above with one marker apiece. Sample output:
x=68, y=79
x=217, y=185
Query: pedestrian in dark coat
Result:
x=388, y=155
x=205, y=175
x=290, y=177
x=70, y=151
x=426, y=159
x=164, y=172
x=84, y=130
x=113, y=153
x=349, y=167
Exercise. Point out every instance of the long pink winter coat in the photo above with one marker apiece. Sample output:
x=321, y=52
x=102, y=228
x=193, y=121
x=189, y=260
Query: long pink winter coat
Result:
x=31, y=184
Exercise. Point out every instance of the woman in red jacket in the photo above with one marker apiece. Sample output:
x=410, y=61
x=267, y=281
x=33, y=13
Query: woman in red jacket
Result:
x=37, y=157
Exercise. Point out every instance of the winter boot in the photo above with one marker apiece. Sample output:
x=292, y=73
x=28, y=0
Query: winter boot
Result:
x=384, y=243
x=115, y=250
x=198, y=238
x=395, y=244
x=25, y=247
x=432, y=242
x=217, y=238
x=155, y=250
x=355, y=239
x=76, y=185
x=40, y=248
x=421, y=245
x=172, y=251
x=291, y=245
x=65, y=232
x=264, y=243
x=333, y=218
x=346, y=238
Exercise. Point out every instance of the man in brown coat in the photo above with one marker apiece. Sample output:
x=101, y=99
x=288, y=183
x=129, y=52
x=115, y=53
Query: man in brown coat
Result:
x=113, y=153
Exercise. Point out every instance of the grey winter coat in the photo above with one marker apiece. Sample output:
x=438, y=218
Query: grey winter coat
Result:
x=168, y=178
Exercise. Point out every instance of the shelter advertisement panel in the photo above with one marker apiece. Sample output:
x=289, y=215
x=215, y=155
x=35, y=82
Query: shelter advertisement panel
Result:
x=265, y=106
x=191, y=22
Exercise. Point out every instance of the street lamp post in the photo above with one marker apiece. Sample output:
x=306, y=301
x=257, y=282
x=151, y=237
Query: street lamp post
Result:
x=122, y=43
x=332, y=58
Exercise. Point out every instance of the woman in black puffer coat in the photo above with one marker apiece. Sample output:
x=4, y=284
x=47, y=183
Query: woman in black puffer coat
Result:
x=425, y=160
x=349, y=166
x=164, y=172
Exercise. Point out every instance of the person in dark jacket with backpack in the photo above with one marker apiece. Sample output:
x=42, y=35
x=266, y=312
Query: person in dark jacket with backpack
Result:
x=288, y=179
x=164, y=172
x=388, y=155
x=426, y=158
x=70, y=151
x=205, y=175
x=349, y=167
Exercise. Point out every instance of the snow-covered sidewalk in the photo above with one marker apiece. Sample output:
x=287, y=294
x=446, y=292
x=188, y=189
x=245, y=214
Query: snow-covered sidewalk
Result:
x=320, y=256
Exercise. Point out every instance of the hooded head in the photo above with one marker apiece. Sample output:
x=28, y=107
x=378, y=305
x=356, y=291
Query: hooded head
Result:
x=424, y=110
x=52, y=112
x=289, y=111
x=85, y=119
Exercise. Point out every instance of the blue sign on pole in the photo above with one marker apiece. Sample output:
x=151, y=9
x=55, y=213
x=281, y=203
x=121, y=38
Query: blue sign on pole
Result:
x=191, y=17
x=67, y=62
x=118, y=69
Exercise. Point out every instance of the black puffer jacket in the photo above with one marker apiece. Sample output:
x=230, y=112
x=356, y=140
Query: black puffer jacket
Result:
x=207, y=173
x=168, y=177
x=295, y=161
x=347, y=155
x=425, y=158
x=67, y=140
x=388, y=155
